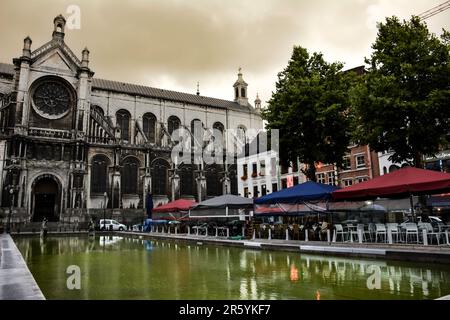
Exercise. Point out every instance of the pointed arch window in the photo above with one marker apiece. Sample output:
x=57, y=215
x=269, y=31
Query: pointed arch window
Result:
x=196, y=130
x=173, y=123
x=123, y=122
x=149, y=126
x=187, y=182
x=160, y=177
x=99, y=174
x=213, y=183
x=129, y=175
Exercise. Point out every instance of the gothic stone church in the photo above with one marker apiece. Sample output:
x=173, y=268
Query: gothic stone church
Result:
x=70, y=141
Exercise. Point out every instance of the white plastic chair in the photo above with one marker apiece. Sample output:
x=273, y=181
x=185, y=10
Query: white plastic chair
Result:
x=411, y=229
x=380, y=230
x=340, y=231
x=393, y=229
x=431, y=233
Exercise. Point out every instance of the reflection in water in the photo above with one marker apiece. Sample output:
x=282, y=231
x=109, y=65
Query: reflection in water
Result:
x=128, y=268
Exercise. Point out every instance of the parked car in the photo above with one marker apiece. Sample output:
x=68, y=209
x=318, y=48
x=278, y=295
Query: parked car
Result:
x=110, y=224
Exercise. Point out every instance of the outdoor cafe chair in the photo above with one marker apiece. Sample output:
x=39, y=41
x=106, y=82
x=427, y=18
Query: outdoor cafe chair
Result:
x=380, y=230
x=431, y=232
x=354, y=232
x=340, y=231
x=410, y=230
x=393, y=229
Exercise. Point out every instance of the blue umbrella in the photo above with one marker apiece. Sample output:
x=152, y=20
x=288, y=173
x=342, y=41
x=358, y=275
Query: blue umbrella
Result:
x=308, y=191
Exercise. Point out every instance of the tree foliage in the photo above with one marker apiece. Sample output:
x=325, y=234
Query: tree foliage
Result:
x=310, y=108
x=404, y=103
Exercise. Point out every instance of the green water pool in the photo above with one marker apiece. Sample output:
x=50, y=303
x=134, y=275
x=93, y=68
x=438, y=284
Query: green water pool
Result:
x=114, y=267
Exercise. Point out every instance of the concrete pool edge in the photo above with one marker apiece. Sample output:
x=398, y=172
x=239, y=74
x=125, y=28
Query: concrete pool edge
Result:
x=16, y=280
x=401, y=252
x=413, y=253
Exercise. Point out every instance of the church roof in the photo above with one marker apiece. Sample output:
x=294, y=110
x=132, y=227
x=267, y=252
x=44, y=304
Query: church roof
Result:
x=6, y=69
x=145, y=91
x=166, y=94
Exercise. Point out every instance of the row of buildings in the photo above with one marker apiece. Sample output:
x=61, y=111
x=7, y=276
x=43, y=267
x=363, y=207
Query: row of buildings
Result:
x=260, y=174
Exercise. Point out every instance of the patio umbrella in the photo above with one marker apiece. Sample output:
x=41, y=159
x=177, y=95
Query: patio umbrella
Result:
x=308, y=191
x=403, y=182
x=175, y=210
x=176, y=206
x=406, y=182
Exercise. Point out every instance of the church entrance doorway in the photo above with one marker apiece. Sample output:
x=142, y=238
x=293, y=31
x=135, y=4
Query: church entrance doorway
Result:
x=45, y=193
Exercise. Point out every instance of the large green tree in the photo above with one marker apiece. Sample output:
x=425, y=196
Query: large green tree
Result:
x=309, y=108
x=404, y=103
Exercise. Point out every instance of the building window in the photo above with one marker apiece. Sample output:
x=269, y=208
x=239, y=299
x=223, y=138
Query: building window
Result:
x=99, y=174
x=242, y=92
x=295, y=180
x=331, y=178
x=254, y=170
x=360, y=161
x=149, y=126
x=346, y=164
x=129, y=175
x=255, y=192
x=320, y=177
x=347, y=182
x=159, y=177
x=213, y=184
x=246, y=192
x=197, y=133
x=274, y=187
x=385, y=170
x=361, y=179
x=263, y=190
x=123, y=122
x=244, y=172
x=273, y=166
x=217, y=126
x=173, y=123
x=262, y=168
x=236, y=93
x=283, y=183
x=186, y=179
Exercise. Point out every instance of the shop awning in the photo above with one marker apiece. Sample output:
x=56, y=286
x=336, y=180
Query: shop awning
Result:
x=403, y=182
x=176, y=206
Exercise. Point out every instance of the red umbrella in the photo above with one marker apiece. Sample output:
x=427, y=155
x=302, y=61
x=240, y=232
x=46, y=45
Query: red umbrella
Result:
x=405, y=181
x=176, y=206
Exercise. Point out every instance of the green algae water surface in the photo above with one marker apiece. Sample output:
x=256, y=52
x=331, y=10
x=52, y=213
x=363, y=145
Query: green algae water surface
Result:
x=113, y=267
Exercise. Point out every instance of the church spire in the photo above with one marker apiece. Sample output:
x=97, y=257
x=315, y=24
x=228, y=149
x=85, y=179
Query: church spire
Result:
x=257, y=102
x=59, y=24
x=240, y=90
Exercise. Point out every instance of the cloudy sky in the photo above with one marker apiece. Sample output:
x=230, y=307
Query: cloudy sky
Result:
x=172, y=44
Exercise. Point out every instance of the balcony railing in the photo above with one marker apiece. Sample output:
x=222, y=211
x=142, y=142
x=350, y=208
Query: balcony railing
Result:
x=50, y=133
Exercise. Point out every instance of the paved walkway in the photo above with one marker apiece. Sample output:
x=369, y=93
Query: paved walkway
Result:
x=16, y=280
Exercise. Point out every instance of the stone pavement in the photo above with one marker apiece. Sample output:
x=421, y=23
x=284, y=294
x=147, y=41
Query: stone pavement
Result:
x=16, y=280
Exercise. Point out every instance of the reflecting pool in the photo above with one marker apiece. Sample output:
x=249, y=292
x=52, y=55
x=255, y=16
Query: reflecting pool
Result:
x=115, y=267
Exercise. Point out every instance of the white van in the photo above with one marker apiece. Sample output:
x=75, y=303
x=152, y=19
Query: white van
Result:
x=111, y=225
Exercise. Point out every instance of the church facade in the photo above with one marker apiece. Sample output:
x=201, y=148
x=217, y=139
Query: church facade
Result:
x=73, y=145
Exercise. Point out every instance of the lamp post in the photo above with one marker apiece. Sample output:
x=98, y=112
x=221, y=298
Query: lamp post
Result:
x=8, y=226
x=105, y=196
